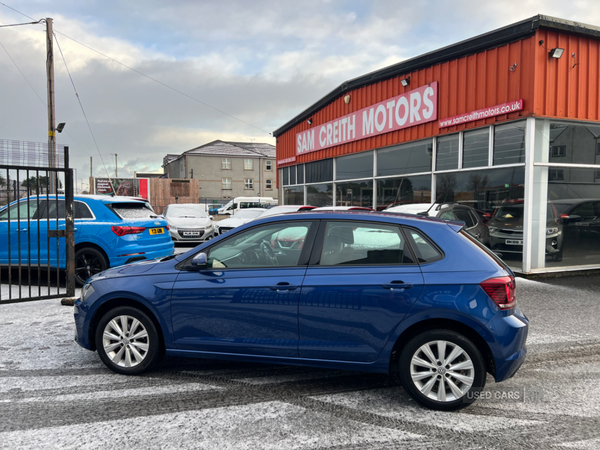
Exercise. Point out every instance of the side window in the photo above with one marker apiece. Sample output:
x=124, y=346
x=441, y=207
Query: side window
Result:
x=426, y=252
x=82, y=211
x=447, y=215
x=463, y=214
x=587, y=209
x=278, y=244
x=359, y=243
x=19, y=211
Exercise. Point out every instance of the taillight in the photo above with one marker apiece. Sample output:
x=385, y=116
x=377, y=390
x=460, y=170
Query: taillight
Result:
x=122, y=231
x=502, y=290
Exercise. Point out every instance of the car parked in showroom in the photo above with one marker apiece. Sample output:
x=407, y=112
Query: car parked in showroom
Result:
x=506, y=229
x=240, y=217
x=414, y=297
x=109, y=231
x=189, y=223
x=474, y=223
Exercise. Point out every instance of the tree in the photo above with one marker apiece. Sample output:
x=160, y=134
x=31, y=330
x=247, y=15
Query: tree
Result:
x=38, y=185
x=2, y=181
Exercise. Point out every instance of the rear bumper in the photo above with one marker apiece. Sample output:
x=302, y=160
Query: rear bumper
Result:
x=510, y=350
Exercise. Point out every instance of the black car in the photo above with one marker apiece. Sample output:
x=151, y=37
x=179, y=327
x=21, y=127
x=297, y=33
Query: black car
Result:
x=474, y=223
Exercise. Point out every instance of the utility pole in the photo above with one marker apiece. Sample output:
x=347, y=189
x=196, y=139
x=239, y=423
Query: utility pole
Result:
x=116, y=173
x=51, y=119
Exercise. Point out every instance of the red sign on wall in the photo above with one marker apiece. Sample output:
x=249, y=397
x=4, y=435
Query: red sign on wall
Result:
x=405, y=110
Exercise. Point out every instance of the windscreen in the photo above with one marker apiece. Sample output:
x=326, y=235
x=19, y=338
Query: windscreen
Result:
x=190, y=211
x=248, y=213
x=134, y=210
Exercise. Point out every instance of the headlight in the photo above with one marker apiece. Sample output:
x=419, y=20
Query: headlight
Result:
x=551, y=230
x=493, y=229
x=173, y=227
x=86, y=291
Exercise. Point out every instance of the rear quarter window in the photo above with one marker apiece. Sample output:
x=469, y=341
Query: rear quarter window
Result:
x=424, y=248
x=482, y=248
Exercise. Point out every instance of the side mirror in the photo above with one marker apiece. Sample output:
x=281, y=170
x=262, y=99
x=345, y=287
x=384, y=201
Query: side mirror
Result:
x=211, y=217
x=200, y=261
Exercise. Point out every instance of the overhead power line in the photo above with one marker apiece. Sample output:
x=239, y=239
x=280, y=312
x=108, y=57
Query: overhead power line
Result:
x=149, y=77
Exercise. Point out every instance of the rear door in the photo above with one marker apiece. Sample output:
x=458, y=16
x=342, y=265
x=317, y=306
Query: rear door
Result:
x=360, y=284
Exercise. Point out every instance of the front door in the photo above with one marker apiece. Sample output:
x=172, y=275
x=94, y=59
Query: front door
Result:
x=246, y=300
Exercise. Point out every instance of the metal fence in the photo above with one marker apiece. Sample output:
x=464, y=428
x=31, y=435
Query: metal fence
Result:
x=37, y=243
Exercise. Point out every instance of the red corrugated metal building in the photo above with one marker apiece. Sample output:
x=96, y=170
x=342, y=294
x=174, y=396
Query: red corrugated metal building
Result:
x=510, y=118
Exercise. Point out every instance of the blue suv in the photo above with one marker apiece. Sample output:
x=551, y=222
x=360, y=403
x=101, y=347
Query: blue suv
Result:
x=109, y=232
x=415, y=297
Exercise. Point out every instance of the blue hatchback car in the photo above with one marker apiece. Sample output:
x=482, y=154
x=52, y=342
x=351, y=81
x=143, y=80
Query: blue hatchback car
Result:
x=415, y=297
x=109, y=232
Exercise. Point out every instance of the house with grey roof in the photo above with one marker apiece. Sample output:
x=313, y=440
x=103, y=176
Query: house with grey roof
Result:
x=227, y=169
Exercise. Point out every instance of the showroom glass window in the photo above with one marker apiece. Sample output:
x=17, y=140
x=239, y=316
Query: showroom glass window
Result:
x=293, y=195
x=300, y=173
x=319, y=171
x=576, y=199
x=482, y=189
x=403, y=190
x=265, y=246
x=319, y=194
x=574, y=144
x=476, y=146
x=354, y=166
x=407, y=158
x=355, y=193
x=292, y=174
x=509, y=143
x=286, y=176
x=447, y=153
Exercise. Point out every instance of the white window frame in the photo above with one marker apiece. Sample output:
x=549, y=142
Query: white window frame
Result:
x=248, y=164
x=226, y=163
x=268, y=165
x=269, y=184
x=248, y=183
x=226, y=183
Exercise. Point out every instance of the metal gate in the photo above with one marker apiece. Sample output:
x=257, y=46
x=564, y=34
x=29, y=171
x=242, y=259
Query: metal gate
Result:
x=37, y=243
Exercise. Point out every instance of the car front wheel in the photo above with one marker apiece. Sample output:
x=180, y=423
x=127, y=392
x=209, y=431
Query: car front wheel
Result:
x=442, y=370
x=127, y=341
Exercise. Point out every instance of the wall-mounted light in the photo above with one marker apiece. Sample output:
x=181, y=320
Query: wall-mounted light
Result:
x=60, y=127
x=405, y=82
x=347, y=99
x=309, y=121
x=513, y=67
x=556, y=52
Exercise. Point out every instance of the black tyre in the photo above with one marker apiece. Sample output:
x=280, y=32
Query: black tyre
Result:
x=442, y=370
x=88, y=262
x=127, y=341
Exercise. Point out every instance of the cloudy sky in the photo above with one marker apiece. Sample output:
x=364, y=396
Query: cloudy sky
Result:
x=224, y=69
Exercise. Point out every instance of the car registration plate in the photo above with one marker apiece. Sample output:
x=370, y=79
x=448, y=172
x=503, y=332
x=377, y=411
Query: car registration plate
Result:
x=514, y=242
x=191, y=233
x=156, y=231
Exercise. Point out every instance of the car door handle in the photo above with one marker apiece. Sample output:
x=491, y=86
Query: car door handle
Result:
x=283, y=286
x=397, y=284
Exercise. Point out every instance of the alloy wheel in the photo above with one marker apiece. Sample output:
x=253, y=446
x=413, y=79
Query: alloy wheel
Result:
x=125, y=341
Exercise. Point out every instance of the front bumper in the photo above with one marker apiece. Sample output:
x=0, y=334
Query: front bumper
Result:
x=512, y=242
x=192, y=234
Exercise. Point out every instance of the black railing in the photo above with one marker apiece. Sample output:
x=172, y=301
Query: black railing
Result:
x=37, y=240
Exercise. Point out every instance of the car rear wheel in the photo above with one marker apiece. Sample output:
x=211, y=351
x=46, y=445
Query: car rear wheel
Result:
x=442, y=370
x=88, y=262
x=127, y=341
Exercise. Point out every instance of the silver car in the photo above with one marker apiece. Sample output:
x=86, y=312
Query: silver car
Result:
x=189, y=222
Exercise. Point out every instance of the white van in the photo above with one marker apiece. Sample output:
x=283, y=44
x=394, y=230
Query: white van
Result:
x=246, y=202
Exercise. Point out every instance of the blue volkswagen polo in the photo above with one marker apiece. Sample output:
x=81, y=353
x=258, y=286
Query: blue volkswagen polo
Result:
x=415, y=297
x=109, y=231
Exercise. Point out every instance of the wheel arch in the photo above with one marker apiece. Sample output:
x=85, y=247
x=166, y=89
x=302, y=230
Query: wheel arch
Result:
x=81, y=245
x=116, y=302
x=447, y=324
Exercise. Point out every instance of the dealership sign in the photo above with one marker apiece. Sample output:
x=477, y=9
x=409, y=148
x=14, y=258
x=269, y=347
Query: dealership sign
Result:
x=504, y=108
x=406, y=110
